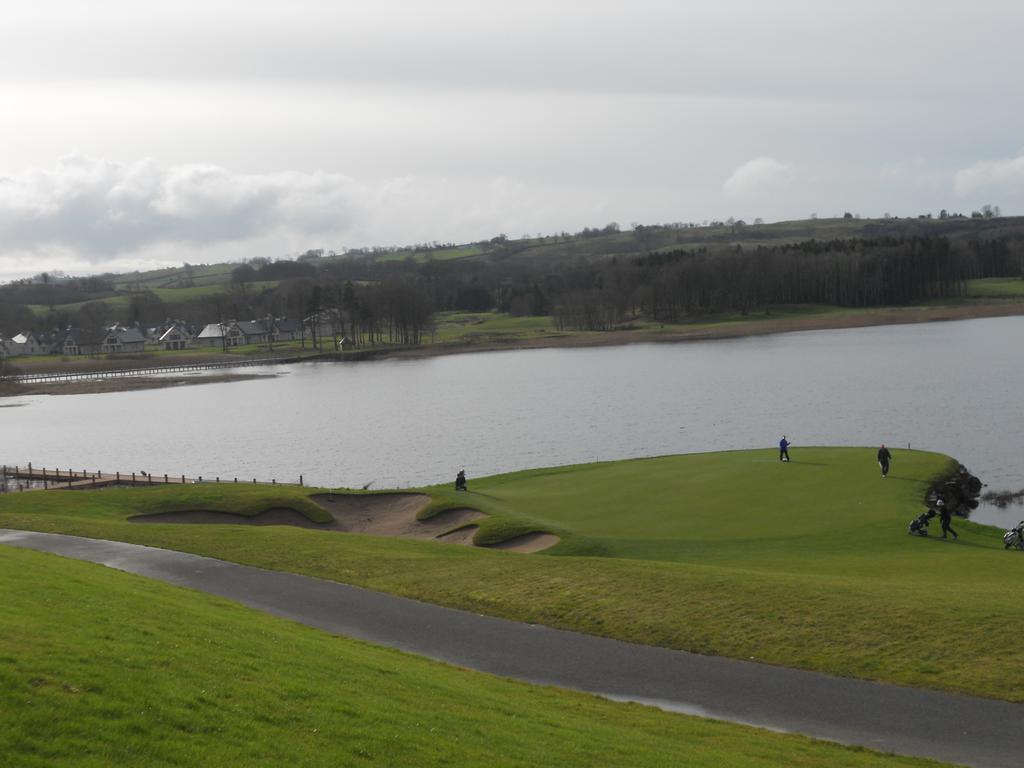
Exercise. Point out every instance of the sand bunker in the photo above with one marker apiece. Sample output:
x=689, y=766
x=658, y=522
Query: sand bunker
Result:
x=379, y=514
x=462, y=535
x=392, y=514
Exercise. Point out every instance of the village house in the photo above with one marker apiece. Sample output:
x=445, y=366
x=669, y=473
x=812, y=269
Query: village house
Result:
x=253, y=331
x=283, y=329
x=177, y=336
x=212, y=335
x=73, y=343
x=232, y=334
x=29, y=343
x=120, y=339
x=324, y=324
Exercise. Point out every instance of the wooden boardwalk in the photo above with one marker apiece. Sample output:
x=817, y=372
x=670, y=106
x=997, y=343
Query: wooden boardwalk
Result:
x=30, y=378
x=42, y=478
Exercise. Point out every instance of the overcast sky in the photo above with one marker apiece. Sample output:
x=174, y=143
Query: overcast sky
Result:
x=138, y=134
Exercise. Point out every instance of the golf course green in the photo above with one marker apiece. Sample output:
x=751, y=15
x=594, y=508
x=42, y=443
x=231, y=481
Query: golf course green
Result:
x=804, y=564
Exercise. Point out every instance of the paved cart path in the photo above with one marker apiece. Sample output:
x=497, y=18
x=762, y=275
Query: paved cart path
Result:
x=957, y=729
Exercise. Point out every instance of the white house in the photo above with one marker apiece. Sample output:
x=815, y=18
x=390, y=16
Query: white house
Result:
x=212, y=335
x=324, y=324
x=232, y=334
x=176, y=336
x=29, y=343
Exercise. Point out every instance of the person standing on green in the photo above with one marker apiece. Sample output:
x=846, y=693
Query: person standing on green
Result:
x=783, y=449
x=946, y=517
x=884, y=457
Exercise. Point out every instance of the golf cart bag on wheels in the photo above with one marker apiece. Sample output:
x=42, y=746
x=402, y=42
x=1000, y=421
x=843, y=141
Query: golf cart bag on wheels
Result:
x=919, y=525
x=1014, y=538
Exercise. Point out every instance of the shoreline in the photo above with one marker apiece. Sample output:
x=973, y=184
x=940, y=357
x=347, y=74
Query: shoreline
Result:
x=575, y=339
x=711, y=332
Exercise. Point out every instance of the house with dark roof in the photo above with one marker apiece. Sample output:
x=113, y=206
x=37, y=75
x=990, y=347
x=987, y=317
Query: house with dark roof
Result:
x=253, y=331
x=283, y=329
x=120, y=339
x=74, y=342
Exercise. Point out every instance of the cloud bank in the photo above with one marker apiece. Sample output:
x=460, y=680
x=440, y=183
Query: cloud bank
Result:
x=758, y=176
x=101, y=208
x=1005, y=175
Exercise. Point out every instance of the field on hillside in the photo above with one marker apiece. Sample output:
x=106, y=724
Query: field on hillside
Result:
x=806, y=564
x=439, y=254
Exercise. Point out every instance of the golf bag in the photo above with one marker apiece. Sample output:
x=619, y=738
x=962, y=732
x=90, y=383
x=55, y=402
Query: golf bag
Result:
x=919, y=525
x=1014, y=538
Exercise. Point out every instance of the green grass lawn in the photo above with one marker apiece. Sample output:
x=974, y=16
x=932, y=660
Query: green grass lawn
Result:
x=174, y=296
x=996, y=288
x=806, y=564
x=117, y=304
x=476, y=326
x=101, y=668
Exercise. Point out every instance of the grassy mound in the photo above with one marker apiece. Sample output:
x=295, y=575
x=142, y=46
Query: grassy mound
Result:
x=118, y=503
x=120, y=670
x=806, y=564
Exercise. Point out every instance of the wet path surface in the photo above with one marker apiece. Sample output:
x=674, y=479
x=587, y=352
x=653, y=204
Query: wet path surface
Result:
x=957, y=729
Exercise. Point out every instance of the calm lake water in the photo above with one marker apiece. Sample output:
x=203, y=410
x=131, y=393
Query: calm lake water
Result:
x=951, y=387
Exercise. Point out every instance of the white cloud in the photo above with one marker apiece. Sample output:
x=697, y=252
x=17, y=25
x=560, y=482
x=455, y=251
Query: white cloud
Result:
x=101, y=209
x=1005, y=175
x=758, y=176
x=88, y=214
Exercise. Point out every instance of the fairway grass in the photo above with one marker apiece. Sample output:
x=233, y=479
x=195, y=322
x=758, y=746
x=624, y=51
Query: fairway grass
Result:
x=101, y=668
x=806, y=564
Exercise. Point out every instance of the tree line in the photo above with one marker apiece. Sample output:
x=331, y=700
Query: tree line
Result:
x=373, y=301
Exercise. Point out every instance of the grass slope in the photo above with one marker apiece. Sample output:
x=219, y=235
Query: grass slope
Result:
x=806, y=564
x=100, y=668
x=996, y=288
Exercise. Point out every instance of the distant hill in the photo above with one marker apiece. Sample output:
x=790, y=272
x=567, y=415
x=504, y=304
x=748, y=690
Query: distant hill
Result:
x=608, y=241
x=466, y=276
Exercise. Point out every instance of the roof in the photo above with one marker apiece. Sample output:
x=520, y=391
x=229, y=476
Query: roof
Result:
x=72, y=335
x=284, y=325
x=175, y=327
x=126, y=335
x=212, y=331
x=251, y=327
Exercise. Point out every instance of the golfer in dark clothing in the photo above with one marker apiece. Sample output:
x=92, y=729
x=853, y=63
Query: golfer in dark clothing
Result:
x=783, y=449
x=884, y=457
x=946, y=517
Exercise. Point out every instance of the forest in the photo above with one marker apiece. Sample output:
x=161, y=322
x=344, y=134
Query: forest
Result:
x=599, y=279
